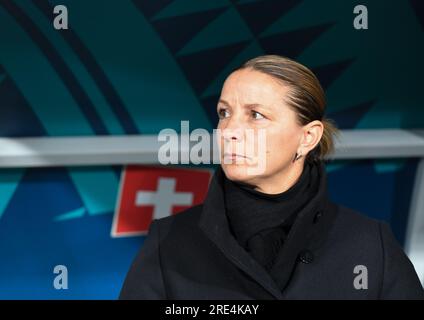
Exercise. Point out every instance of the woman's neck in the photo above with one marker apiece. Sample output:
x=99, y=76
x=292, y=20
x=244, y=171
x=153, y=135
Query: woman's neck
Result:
x=280, y=182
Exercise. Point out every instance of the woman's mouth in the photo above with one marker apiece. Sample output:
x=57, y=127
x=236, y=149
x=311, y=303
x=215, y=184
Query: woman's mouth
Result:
x=234, y=156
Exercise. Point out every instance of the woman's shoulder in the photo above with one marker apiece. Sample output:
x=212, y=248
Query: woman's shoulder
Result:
x=371, y=242
x=348, y=218
x=184, y=219
x=353, y=228
x=347, y=221
x=350, y=227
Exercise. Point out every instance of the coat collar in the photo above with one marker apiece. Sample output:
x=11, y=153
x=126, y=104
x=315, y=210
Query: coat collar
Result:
x=306, y=235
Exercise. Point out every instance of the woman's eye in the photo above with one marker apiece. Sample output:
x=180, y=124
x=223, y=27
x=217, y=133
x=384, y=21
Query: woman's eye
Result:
x=257, y=116
x=222, y=113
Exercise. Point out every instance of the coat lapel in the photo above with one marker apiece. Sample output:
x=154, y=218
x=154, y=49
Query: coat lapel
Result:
x=306, y=233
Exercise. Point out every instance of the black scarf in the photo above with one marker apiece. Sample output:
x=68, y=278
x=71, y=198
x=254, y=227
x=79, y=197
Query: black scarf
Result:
x=261, y=222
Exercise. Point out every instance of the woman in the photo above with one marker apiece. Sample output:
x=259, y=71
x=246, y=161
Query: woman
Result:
x=271, y=232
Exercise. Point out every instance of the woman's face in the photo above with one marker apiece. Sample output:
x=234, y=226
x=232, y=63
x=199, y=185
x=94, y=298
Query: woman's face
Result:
x=252, y=106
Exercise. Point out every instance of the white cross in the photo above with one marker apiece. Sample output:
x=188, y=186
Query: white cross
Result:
x=164, y=198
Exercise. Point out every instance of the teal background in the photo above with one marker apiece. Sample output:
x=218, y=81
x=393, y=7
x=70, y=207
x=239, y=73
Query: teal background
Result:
x=136, y=67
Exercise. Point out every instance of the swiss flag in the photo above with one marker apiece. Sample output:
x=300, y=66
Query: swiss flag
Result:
x=148, y=193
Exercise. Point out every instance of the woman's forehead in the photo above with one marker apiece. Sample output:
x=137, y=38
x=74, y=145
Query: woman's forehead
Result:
x=252, y=87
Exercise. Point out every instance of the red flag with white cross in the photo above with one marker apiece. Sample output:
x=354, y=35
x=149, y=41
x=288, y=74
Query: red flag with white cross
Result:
x=148, y=192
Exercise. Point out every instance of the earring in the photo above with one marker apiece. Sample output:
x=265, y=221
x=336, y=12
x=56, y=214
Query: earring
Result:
x=297, y=157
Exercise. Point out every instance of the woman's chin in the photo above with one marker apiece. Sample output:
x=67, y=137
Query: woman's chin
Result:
x=237, y=172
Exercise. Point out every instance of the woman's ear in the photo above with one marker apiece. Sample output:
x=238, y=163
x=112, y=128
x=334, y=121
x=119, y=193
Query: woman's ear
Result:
x=312, y=133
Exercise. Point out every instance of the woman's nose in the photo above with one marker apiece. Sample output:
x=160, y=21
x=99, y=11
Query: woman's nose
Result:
x=232, y=133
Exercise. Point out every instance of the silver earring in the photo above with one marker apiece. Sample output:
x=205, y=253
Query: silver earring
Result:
x=297, y=157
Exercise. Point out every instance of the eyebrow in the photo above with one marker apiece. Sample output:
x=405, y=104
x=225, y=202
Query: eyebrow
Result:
x=249, y=105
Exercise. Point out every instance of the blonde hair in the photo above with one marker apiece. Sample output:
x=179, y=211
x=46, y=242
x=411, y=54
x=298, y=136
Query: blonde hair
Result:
x=306, y=97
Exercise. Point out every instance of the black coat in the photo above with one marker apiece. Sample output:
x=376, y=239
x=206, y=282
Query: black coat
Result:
x=193, y=255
